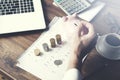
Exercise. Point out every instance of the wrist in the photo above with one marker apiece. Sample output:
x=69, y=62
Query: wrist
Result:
x=74, y=60
x=77, y=51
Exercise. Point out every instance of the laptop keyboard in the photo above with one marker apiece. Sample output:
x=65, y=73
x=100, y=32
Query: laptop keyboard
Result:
x=16, y=6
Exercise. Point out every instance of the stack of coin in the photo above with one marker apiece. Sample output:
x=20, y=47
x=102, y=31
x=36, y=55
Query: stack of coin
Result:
x=37, y=52
x=58, y=38
x=52, y=41
x=45, y=47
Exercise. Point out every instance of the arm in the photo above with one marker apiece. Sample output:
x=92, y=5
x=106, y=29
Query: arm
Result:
x=80, y=41
x=82, y=34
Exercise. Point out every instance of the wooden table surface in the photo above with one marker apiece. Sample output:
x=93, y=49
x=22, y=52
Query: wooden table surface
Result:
x=13, y=45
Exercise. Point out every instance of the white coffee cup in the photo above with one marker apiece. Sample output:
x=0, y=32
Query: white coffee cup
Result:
x=109, y=46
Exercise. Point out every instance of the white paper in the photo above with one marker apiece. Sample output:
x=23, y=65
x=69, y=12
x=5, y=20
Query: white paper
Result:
x=43, y=66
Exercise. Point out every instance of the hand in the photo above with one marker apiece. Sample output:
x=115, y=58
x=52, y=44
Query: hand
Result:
x=80, y=35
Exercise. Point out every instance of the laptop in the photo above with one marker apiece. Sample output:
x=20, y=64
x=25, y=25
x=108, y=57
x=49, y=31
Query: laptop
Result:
x=21, y=15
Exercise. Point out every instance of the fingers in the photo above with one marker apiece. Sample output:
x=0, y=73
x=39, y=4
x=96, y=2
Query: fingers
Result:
x=76, y=25
x=90, y=30
x=74, y=15
x=64, y=18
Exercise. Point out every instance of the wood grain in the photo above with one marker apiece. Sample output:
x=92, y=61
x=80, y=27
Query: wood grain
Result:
x=13, y=45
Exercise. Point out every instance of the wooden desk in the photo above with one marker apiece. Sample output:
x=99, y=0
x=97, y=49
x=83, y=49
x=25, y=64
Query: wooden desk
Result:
x=13, y=45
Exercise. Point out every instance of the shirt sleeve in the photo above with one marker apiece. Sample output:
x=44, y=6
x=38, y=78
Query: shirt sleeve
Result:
x=72, y=74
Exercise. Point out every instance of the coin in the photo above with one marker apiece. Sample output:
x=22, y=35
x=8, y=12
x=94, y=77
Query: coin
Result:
x=52, y=41
x=45, y=47
x=58, y=38
x=58, y=62
x=37, y=52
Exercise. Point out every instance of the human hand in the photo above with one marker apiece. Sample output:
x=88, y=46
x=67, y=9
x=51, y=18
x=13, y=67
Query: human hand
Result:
x=80, y=34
